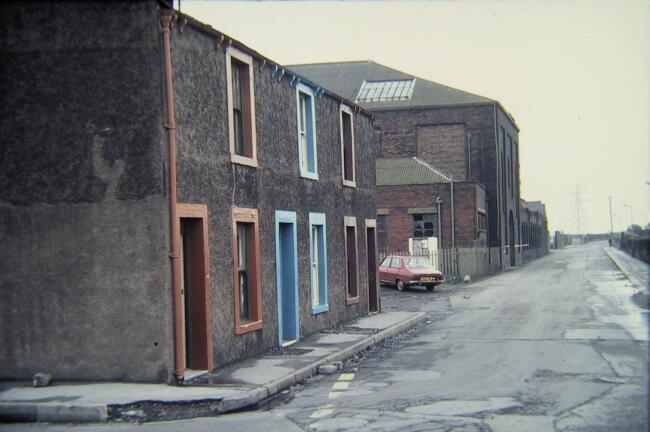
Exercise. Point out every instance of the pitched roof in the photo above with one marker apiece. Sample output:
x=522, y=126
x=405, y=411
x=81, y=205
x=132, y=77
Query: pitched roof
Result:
x=282, y=71
x=407, y=171
x=346, y=79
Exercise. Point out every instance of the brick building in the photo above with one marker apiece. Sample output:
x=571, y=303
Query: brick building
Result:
x=414, y=201
x=170, y=199
x=534, y=229
x=470, y=137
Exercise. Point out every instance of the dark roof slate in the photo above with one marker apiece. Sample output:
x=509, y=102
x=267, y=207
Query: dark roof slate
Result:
x=346, y=78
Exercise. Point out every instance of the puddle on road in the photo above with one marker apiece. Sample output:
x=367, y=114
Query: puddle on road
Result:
x=465, y=407
x=520, y=423
x=614, y=303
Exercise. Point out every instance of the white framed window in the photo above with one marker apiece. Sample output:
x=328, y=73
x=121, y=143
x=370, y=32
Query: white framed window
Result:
x=318, y=263
x=307, y=153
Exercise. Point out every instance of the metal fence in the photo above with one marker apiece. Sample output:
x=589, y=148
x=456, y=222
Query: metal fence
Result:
x=455, y=264
x=530, y=254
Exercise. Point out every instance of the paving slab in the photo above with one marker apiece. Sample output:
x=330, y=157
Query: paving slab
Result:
x=636, y=270
x=381, y=321
x=231, y=389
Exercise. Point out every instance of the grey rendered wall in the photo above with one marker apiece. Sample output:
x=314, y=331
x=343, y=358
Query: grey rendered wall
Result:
x=206, y=176
x=84, y=274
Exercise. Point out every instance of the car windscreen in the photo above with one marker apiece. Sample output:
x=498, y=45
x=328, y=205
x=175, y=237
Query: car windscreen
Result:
x=417, y=262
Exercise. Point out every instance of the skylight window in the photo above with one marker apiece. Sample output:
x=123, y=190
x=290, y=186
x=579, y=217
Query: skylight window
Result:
x=385, y=91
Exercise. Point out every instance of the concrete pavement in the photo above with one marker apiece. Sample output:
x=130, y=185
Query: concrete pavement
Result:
x=635, y=269
x=556, y=345
x=231, y=389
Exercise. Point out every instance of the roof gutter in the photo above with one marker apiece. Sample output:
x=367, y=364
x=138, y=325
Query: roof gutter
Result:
x=166, y=17
x=223, y=39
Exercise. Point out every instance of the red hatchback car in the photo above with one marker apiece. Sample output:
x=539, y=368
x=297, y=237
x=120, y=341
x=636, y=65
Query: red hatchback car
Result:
x=403, y=271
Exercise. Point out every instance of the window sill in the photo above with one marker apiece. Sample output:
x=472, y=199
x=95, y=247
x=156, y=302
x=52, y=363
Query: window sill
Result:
x=315, y=310
x=350, y=183
x=248, y=327
x=243, y=160
x=308, y=174
x=352, y=300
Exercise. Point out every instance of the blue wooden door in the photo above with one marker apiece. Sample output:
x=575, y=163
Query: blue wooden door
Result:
x=287, y=277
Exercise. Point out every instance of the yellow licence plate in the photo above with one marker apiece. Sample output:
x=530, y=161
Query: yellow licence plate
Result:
x=426, y=279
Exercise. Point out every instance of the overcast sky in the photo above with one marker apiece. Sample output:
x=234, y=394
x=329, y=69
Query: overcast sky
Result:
x=574, y=74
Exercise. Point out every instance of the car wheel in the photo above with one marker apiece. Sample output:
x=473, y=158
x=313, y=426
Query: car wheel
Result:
x=400, y=285
x=430, y=288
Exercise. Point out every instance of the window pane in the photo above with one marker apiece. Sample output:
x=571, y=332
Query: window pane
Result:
x=304, y=151
x=315, y=266
x=417, y=262
x=238, y=117
x=302, y=128
x=381, y=223
x=302, y=112
x=236, y=85
x=239, y=132
x=348, y=171
x=242, y=265
x=384, y=91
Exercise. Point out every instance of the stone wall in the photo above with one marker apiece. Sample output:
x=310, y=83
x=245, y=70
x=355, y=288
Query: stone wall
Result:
x=206, y=176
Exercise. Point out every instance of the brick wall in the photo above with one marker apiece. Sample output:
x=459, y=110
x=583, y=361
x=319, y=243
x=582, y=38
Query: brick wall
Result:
x=411, y=133
x=398, y=137
x=465, y=213
x=444, y=147
x=397, y=200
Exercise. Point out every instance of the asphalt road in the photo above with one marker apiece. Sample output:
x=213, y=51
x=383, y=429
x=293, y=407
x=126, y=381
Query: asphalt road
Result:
x=556, y=345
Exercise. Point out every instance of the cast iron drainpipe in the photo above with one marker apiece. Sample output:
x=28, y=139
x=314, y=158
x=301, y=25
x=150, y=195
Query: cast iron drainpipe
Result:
x=453, y=222
x=439, y=203
x=179, y=359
